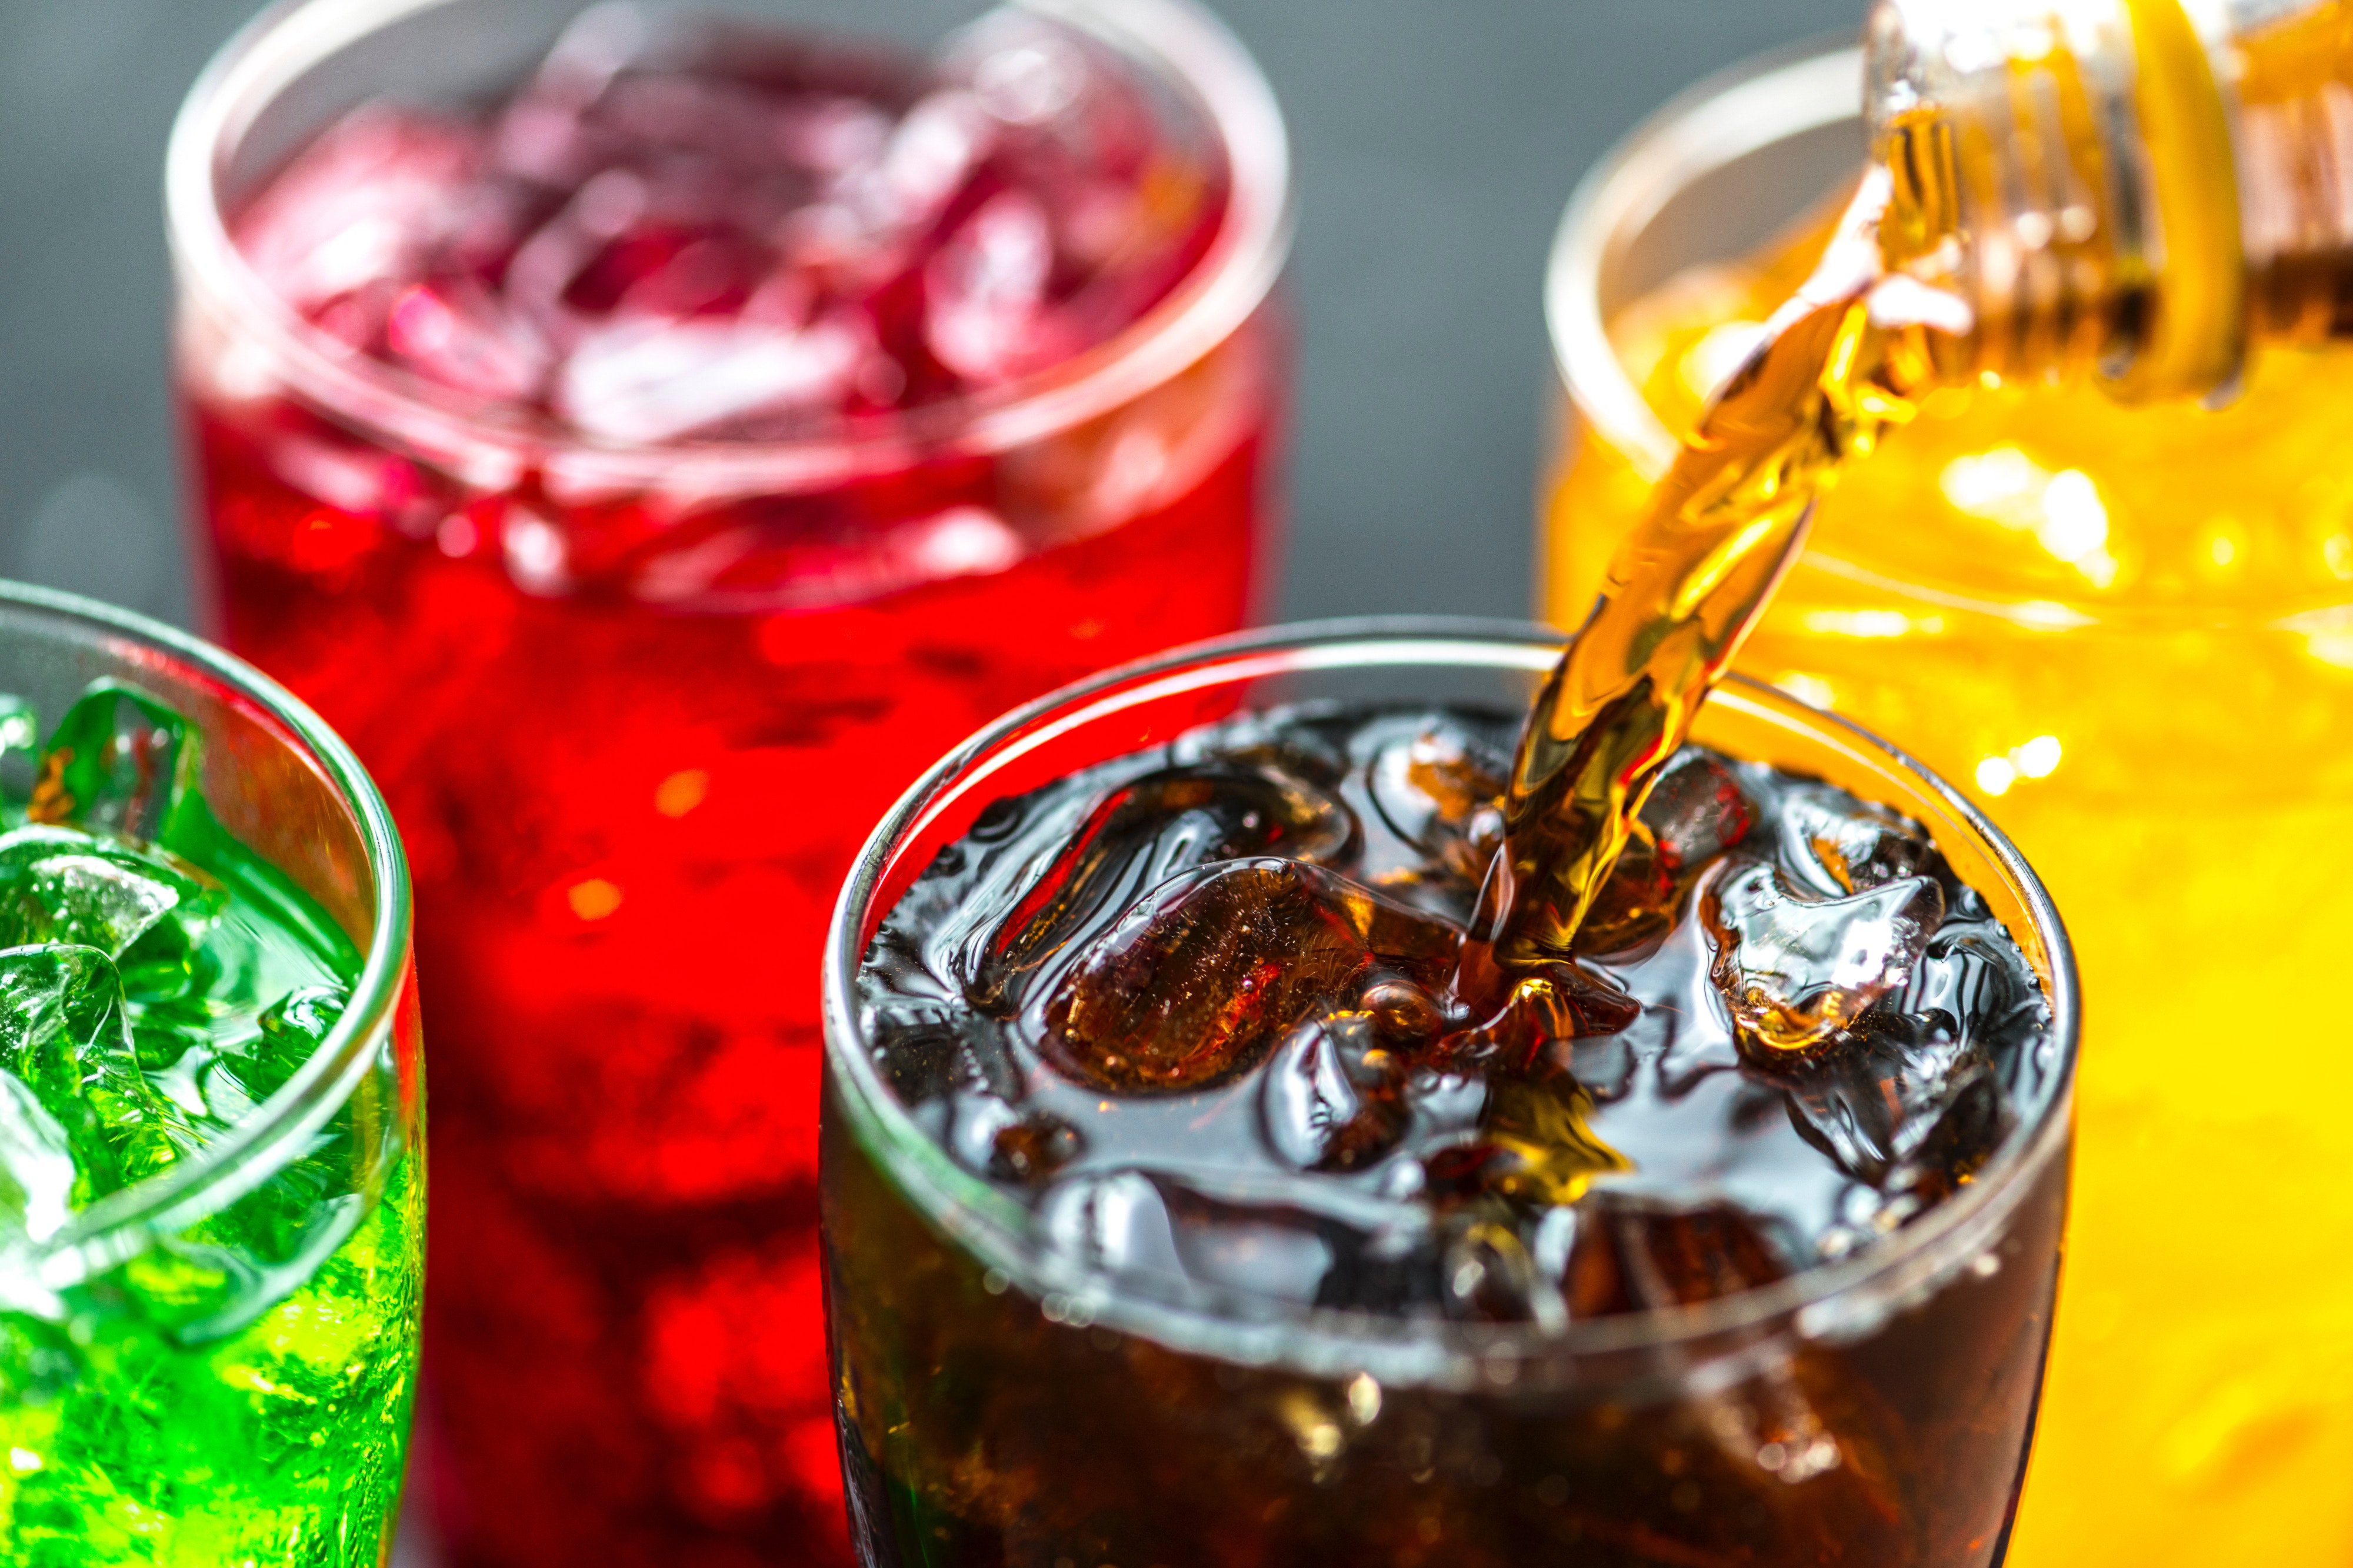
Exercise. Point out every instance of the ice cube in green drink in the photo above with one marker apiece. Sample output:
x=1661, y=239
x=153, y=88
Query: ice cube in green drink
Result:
x=228, y=1384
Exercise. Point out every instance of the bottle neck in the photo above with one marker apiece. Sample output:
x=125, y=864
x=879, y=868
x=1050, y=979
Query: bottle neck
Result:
x=2133, y=191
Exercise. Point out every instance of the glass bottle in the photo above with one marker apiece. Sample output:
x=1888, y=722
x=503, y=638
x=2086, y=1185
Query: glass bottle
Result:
x=2141, y=190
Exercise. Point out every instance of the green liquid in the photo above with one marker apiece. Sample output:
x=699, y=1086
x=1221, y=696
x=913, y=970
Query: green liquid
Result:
x=236, y=1393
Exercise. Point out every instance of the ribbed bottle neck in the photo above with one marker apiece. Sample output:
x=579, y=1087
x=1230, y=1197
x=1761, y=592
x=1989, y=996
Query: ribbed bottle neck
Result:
x=2076, y=170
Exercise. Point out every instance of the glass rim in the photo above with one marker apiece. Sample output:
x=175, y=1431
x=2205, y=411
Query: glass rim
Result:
x=1189, y=45
x=1823, y=1301
x=1744, y=108
x=125, y=1223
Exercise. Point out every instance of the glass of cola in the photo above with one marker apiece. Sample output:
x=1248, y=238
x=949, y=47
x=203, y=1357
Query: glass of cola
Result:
x=1185, y=1201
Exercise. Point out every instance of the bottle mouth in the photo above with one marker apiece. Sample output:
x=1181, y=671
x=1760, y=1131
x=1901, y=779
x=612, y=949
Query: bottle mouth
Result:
x=1605, y=241
x=2086, y=150
x=97, y=639
x=1183, y=47
x=1417, y=654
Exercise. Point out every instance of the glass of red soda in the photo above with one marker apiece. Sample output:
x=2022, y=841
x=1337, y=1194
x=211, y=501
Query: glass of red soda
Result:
x=1181, y=1209
x=652, y=434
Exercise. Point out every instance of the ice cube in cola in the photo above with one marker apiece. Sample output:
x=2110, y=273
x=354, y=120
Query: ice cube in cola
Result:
x=1341, y=1253
x=681, y=445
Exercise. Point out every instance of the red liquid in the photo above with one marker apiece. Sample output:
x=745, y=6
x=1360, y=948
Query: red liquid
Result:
x=633, y=745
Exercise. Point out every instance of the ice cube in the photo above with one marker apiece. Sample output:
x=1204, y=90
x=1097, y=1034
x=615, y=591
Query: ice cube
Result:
x=1439, y=787
x=656, y=111
x=63, y=1037
x=1405, y=1017
x=1033, y=1147
x=546, y=266
x=1795, y=970
x=1194, y=984
x=1197, y=981
x=544, y=134
x=1693, y=813
x=1069, y=118
x=117, y=762
x=1968, y=987
x=1112, y=1221
x=1332, y=1099
x=1559, y=1002
x=1635, y=1254
x=1154, y=1223
x=653, y=381
x=455, y=334
x=1280, y=742
x=1838, y=844
x=1023, y=70
x=1489, y=1278
x=593, y=48
x=930, y=1053
x=1139, y=835
x=931, y=153
x=875, y=212
x=292, y=1029
x=983, y=288
x=245, y=1074
x=1260, y=1250
x=58, y=886
x=20, y=754
x=36, y=1162
x=1872, y=1100
x=1975, y=1121
x=366, y=201
x=829, y=135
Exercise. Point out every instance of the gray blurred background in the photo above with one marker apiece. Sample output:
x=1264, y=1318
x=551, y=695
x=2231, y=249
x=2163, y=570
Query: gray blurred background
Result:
x=1435, y=141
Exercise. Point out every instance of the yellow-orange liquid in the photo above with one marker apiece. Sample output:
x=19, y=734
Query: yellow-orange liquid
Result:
x=2129, y=633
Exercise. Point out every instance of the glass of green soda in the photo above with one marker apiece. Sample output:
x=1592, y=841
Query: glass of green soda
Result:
x=212, y=1154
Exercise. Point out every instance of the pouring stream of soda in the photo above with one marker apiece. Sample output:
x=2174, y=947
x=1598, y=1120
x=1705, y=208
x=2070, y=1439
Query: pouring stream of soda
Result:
x=1845, y=357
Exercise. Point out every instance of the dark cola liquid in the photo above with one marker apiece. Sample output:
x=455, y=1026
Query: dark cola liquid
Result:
x=1209, y=1013
x=1201, y=1008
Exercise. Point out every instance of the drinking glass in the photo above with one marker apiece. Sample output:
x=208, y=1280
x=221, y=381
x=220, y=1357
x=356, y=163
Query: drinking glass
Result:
x=636, y=702
x=1005, y=1402
x=215, y=1364
x=2125, y=632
